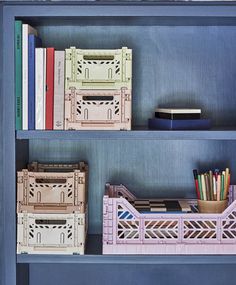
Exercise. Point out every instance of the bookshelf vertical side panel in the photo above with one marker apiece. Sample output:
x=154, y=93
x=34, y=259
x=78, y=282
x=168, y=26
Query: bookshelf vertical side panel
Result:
x=1, y=132
x=8, y=147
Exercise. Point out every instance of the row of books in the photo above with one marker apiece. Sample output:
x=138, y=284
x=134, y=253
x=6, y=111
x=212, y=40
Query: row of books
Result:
x=39, y=82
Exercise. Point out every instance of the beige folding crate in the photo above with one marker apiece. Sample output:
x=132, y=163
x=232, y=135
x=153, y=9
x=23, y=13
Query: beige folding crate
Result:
x=51, y=233
x=52, y=192
x=98, y=109
x=98, y=68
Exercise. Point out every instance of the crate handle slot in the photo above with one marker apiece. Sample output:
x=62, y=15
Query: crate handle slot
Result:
x=98, y=57
x=50, y=180
x=98, y=98
x=50, y=222
x=58, y=170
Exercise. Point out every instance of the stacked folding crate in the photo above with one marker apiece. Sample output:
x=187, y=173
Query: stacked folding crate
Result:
x=98, y=87
x=52, y=208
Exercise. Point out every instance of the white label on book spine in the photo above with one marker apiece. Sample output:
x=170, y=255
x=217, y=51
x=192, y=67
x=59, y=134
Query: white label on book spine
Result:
x=40, y=88
x=58, y=120
x=26, y=30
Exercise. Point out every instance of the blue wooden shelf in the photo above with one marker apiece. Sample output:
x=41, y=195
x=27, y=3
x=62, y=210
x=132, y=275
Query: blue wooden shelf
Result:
x=128, y=259
x=94, y=255
x=214, y=134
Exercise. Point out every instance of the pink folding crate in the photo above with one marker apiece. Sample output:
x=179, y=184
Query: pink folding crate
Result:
x=98, y=109
x=55, y=191
x=127, y=231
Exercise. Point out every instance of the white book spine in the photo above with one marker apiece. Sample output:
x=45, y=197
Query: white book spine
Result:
x=44, y=90
x=58, y=120
x=40, y=88
x=26, y=30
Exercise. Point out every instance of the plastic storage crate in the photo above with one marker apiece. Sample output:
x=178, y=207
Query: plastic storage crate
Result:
x=51, y=233
x=98, y=69
x=127, y=231
x=52, y=192
x=98, y=109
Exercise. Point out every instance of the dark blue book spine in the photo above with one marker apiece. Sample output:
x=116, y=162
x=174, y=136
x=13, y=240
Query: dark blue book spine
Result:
x=167, y=124
x=33, y=42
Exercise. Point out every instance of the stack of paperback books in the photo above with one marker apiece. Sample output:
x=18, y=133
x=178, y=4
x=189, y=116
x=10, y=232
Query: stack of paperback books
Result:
x=178, y=119
x=39, y=82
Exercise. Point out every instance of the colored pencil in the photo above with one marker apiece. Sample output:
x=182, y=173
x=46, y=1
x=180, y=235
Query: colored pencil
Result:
x=214, y=188
x=200, y=186
x=207, y=184
x=218, y=187
x=203, y=187
x=211, y=185
x=222, y=185
x=226, y=183
x=195, y=175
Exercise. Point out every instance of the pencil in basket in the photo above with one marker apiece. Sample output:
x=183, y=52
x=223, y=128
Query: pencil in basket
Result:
x=212, y=186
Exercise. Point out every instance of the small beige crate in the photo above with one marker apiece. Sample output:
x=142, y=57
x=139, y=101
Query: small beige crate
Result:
x=52, y=192
x=98, y=109
x=51, y=233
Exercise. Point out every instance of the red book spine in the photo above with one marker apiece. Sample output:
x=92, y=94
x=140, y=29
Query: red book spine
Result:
x=49, y=88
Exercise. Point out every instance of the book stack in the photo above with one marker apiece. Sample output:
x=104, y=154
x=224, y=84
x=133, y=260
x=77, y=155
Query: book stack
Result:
x=39, y=82
x=178, y=119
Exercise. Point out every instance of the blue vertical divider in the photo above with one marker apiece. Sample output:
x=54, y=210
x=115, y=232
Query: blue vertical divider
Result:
x=1, y=188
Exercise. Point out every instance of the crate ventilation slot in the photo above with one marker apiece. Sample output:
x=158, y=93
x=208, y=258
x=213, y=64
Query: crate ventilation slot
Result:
x=50, y=181
x=50, y=222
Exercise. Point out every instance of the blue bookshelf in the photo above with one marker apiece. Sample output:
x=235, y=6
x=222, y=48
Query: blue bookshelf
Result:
x=184, y=54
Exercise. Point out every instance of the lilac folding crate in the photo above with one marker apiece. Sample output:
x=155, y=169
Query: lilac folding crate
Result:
x=126, y=231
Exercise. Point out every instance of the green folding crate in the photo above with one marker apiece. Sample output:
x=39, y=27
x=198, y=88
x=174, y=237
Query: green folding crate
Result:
x=98, y=68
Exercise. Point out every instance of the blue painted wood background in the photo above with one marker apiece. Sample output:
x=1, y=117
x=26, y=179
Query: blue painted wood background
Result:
x=178, y=66
x=191, y=66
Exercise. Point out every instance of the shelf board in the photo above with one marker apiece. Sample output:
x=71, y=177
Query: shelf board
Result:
x=94, y=255
x=139, y=133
